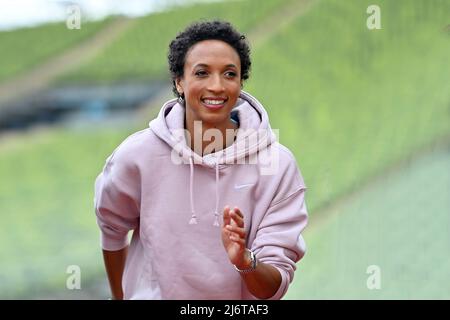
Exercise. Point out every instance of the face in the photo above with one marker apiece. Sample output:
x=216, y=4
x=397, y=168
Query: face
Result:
x=211, y=82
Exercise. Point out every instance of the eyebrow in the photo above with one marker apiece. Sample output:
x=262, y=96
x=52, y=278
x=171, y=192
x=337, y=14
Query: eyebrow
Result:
x=205, y=65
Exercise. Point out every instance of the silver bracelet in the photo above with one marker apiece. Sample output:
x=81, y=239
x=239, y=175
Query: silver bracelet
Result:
x=254, y=264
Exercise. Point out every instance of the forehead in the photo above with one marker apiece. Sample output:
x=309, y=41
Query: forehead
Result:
x=212, y=53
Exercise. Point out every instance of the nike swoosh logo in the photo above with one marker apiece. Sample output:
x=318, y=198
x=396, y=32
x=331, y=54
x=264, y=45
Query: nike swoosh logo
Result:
x=242, y=186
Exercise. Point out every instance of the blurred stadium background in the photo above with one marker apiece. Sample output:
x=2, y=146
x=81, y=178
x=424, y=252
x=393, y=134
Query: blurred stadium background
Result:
x=366, y=113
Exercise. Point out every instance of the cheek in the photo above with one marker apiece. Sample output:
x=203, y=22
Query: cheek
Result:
x=194, y=91
x=236, y=85
x=235, y=90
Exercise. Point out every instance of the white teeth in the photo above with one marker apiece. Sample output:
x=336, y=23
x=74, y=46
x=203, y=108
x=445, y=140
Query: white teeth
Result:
x=214, y=101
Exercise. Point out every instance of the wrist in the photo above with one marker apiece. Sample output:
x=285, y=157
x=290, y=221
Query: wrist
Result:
x=246, y=261
x=248, y=264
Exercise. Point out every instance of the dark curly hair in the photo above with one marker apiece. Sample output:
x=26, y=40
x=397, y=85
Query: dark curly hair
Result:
x=206, y=30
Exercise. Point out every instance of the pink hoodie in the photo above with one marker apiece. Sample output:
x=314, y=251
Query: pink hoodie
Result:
x=173, y=199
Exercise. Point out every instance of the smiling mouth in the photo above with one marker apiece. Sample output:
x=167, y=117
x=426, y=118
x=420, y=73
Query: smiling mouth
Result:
x=214, y=103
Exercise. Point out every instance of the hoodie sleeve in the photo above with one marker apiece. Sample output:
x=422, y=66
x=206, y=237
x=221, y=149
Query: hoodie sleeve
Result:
x=117, y=202
x=278, y=241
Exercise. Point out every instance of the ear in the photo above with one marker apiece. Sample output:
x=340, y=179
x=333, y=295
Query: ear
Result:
x=179, y=85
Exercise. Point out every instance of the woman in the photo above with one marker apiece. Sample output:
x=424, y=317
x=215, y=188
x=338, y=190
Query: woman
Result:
x=216, y=203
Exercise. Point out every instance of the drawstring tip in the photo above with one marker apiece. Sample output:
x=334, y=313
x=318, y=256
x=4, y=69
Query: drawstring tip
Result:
x=193, y=220
x=216, y=221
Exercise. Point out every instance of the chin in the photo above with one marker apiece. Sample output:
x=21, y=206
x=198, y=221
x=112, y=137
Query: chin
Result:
x=214, y=119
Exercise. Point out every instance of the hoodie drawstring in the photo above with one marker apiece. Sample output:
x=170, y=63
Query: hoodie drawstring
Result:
x=191, y=189
x=216, y=213
x=191, y=192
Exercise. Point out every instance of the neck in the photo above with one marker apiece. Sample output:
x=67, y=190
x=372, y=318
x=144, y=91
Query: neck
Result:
x=207, y=138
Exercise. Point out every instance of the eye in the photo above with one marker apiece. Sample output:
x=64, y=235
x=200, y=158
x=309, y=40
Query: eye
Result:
x=230, y=74
x=200, y=73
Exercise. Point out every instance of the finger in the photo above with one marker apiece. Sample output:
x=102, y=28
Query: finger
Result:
x=236, y=234
x=233, y=233
x=239, y=231
x=235, y=238
x=226, y=215
x=232, y=221
x=237, y=218
x=239, y=212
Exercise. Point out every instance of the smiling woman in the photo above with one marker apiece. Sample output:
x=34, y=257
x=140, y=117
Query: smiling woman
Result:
x=179, y=253
x=210, y=86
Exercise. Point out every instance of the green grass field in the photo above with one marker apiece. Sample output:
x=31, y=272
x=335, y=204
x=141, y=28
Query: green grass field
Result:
x=25, y=48
x=141, y=52
x=46, y=199
x=400, y=223
x=349, y=103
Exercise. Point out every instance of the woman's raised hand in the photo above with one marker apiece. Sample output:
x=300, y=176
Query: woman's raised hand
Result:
x=234, y=237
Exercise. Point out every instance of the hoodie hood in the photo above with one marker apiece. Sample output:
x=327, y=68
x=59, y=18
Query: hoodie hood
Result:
x=253, y=136
x=254, y=129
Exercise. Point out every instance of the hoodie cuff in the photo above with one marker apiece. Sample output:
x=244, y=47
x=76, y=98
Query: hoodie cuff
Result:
x=113, y=244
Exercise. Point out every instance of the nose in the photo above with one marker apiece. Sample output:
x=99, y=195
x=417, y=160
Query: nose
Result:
x=215, y=84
